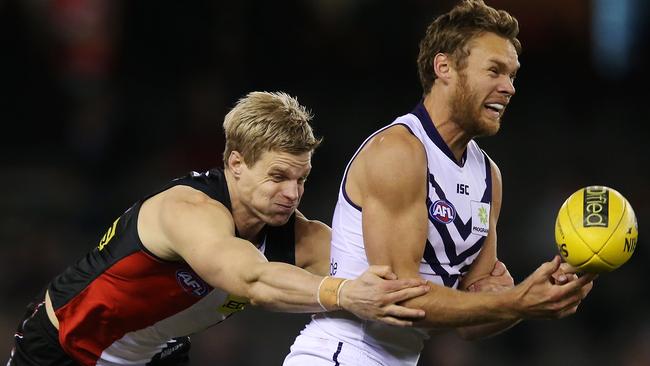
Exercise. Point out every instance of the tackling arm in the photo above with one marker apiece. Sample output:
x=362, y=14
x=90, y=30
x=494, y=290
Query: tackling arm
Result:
x=201, y=231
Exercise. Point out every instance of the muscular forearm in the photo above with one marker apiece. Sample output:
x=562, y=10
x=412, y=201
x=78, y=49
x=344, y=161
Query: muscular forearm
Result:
x=282, y=287
x=449, y=308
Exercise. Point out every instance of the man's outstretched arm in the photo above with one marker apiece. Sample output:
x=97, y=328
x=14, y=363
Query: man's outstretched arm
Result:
x=201, y=231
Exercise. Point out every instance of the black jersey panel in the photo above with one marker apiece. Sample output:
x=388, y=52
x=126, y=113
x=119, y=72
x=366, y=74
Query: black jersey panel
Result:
x=120, y=241
x=281, y=242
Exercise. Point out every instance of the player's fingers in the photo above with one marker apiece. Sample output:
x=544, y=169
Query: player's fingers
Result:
x=573, y=298
x=507, y=274
x=396, y=322
x=574, y=309
x=404, y=313
x=569, y=309
x=382, y=271
x=561, y=279
x=590, y=276
x=398, y=285
x=586, y=289
x=407, y=293
x=499, y=269
x=582, y=281
x=567, y=268
x=548, y=268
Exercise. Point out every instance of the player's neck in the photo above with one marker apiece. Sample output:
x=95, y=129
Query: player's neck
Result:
x=452, y=134
x=247, y=224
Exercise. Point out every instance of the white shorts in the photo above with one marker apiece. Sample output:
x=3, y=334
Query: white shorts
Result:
x=320, y=350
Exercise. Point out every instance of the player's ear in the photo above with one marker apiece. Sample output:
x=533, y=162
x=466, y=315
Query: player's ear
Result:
x=442, y=67
x=236, y=163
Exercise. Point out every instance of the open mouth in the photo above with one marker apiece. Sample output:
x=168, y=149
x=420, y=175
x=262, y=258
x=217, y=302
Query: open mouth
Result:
x=495, y=109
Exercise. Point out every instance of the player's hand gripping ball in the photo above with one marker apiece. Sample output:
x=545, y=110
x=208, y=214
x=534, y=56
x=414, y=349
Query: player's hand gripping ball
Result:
x=596, y=229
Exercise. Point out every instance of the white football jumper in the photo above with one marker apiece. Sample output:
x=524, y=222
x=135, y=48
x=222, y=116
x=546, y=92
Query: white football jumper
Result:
x=458, y=202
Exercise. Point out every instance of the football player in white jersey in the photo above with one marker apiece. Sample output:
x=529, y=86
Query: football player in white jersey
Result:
x=420, y=196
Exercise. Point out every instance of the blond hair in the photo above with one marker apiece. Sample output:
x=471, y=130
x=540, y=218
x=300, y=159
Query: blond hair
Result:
x=451, y=32
x=264, y=121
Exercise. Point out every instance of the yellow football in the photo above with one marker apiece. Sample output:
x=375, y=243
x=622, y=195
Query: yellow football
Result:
x=596, y=229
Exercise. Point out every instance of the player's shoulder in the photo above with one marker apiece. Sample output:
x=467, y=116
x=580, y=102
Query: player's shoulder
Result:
x=397, y=134
x=182, y=193
x=177, y=213
x=392, y=161
x=395, y=145
x=182, y=199
x=309, y=227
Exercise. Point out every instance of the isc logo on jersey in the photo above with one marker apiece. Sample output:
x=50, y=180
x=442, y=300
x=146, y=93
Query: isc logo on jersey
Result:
x=192, y=283
x=442, y=211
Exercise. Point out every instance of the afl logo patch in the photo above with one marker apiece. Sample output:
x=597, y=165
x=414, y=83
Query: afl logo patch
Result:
x=191, y=283
x=442, y=211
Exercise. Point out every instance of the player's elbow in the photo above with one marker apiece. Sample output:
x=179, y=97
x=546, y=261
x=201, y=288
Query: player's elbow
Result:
x=256, y=288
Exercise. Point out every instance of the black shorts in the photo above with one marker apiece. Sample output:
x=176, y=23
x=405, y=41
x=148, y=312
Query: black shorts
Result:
x=36, y=343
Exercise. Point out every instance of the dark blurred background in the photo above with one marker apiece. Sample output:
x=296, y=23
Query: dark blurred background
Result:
x=103, y=101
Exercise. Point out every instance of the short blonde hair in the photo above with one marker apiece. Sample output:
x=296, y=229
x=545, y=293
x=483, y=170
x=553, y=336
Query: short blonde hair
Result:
x=265, y=121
